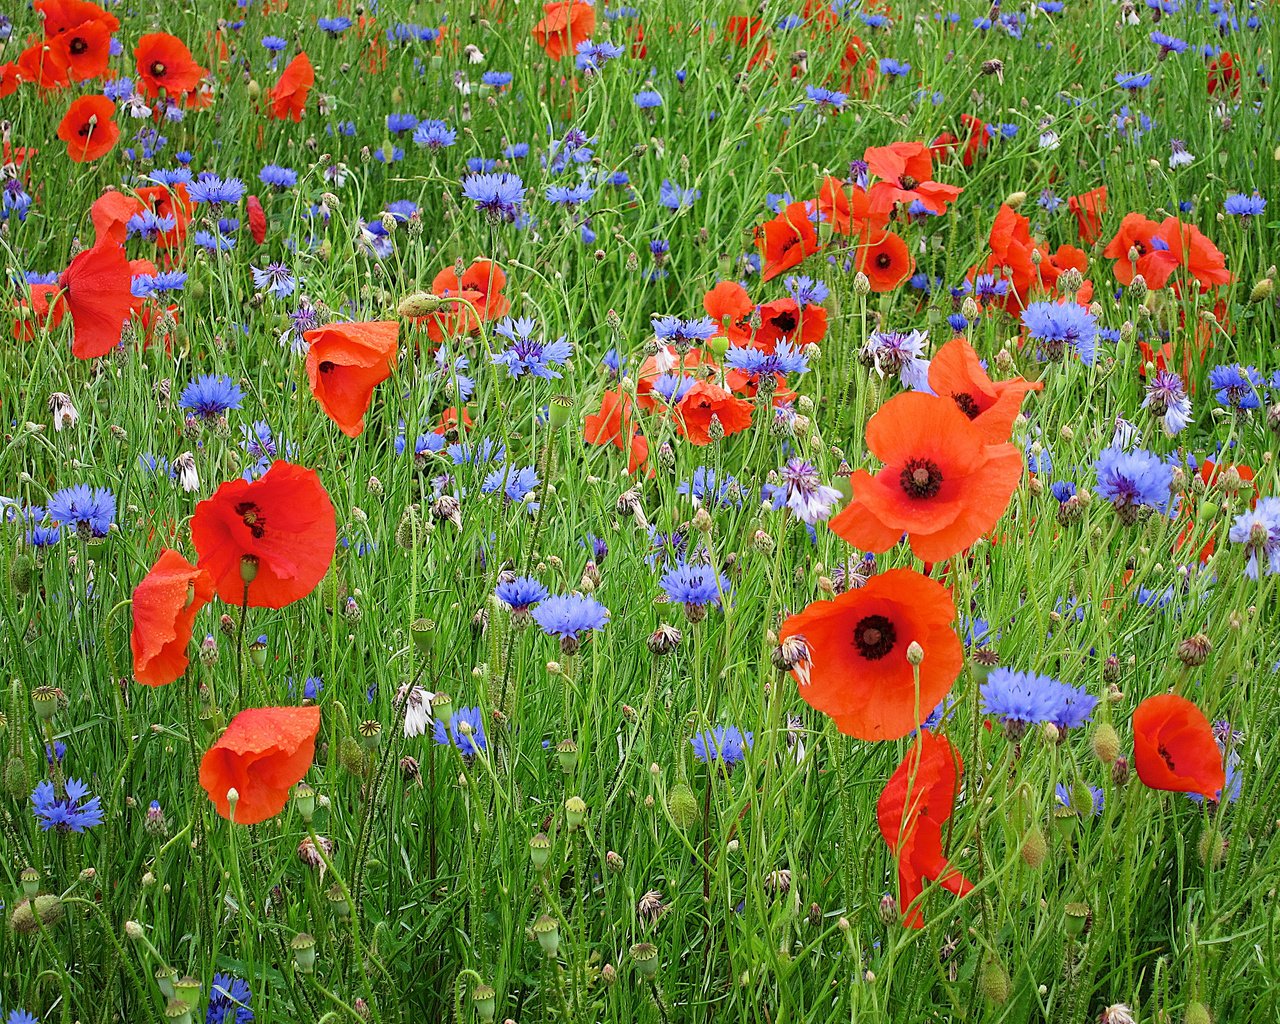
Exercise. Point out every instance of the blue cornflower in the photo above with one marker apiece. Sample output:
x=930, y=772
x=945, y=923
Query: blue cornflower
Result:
x=1071, y=706
x=569, y=616
x=1132, y=480
x=694, y=586
x=598, y=547
x=801, y=489
x=432, y=134
x=806, y=291
x=275, y=176
x=487, y=450
x=333, y=26
x=673, y=387
x=311, y=687
x=516, y=151
x=213, y=242
x=592, y=56
x=228, y=1001
x=569, y=195
x=257, y=440
x=497, y=79
x=500, y=196
x=1240, y=205
x=528, y=354
x=66, y=813
x=399, y=124
x=1239, y=387
x=451, y=371
x=899, y=352
x=1168, y=402
x=1168, y=44
x=274, y=44
x=826, y=97
x=709, y=489
x=1049, y=201
x=757, y=364
x=148, y=225
x=520, y=593
x=894, y=68
x=726, y=744
x=21, y=1017
x=1133, y=82
x=275, y=278
x=1096, y=798
x=1020, y=699
x=83, y=508
x=648, y=99
x=56, y=752
x=1259, y=531
x=515, y=484
x=210, y=395
x=1056, y=325
x=675, y=197
x=210, y=189
x=674, y=331
x=1062, y=490
x=466, y=732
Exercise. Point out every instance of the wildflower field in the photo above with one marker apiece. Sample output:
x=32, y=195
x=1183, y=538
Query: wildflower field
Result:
x=686, y=511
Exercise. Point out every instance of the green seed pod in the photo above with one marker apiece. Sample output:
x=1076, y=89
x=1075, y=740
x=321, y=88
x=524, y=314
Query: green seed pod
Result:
x=1197, y=1013
x=303, y=947
x=22, y=572
x=540, y=850
x=17, y=779
x=645, y=956
x=1034, y=848
x=484, y=999
x=547, y=931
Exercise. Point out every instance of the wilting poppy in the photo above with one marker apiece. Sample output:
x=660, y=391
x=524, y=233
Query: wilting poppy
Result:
x=88, y=128
x=785, y=241
x=279, y=532
x=916, y=802
x=886, y=261
x=165, y=63
x=345, y=363
x=481, y=286
x=706, y=400
x=1088, y=209
x=263, y=754
x=615, y=424
x=957, y=373
x=97, y=290
x=289, y=94
x=564, y=25
x=942, y=483
x=1174, y=747
x=165, y=604
x=854, y=666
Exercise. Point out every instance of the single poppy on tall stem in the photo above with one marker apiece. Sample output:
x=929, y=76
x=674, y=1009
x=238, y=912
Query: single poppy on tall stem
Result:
x=89, y=128
x=165, y=604
x=345, y=362
x=289, y=95
x=165, y=64
x=1174, y=747
x=263, y=754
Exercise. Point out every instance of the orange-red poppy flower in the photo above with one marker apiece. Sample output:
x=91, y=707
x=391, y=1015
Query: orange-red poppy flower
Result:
x=289, y=94
x=345, y=362
x=263, y=754
x=916, y=802
x=46, y=63
x=785, y=241
x=65, y=15
x=89, y=129
x=481, y=286
x=564, y=25
x=886, y=260
x=1011, y=257
x=88, y=48
x=1134, y=238
x=906, y=173
x=729, y=305
x=846, y=208
x=786, y=319
x=1088, y=208
x=615, y=424
x=943, y=484
x=706, y=400
x=1224, y=74
x=10, y=79
x=278, y=532
x=165, y=605
x=1194, y=252
x=855, y=666
x=165, y=63
x=110, y=214
x=957, y=373
x=43, y=310
x=257, y=218
x=97, y=290
x=1174, y=747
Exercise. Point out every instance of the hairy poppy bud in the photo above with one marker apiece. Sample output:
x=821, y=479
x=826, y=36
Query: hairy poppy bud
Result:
x=682, y=805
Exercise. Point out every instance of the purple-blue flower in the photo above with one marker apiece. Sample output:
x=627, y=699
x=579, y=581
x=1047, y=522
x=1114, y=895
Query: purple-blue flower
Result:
x=499, y=196
x=1259, y=531
x=694, y=585
x=568, y=616
x=210, y=395
x=520, y=593
x=66, y=813
x=1133, y=480
x=528, y=354
x=466, y=732
x=1056, y=325
x=83, y=508
x=725, y=744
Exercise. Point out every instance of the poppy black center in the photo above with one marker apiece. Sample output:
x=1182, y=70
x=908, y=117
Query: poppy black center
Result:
x=884, y=261
x=874, y=636
x=78, y=46
x=157, y=69
x=967, y=404
x=1165, y=756
x=253, y=518
x=785, y=322
x=921, y=478
x=327, y=366
x=85, y=130
x=907, y=182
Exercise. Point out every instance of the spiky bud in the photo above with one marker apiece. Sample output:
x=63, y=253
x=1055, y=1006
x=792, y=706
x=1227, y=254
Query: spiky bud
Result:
x=1034, y=847
x=1106, y=743
x=1194, y=651
x=682, y=805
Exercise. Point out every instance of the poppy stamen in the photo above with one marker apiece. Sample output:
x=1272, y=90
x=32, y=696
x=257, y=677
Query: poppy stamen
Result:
x=884, y=261
x=874, y=636
x=327, y=366
x=921, y=478
x=253, y=518
x=158, y=69
x=907, y=182
x=78, y=46
x=968, y=405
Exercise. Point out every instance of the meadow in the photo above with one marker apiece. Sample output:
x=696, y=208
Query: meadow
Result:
x=676, y=512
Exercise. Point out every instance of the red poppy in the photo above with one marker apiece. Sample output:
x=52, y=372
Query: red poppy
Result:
x=1010, y=259
x=729, y=305
x=564, y=25
x=278, y=531
x=1088, y=209
x=88, y=48
x=706, y=400
x=615, y=424
x=66, y=15
x=97, y=288
x=886, y=261
x=1224, y=74
x=481, y=286
x=165, y=605
x=165, y=64
x=10, y=79
x=977, y=140
x=943, y=483
x=1134, y=252
x=345, y=363
x=785, y=241
x=667, y=360
x=175, y=203
x=110, y=214
x=906, y=173
x=1174, y=748
x=43, y=310
x=855, y=666
x=263, y=754
x=1193, y=251
x=46, y=63
x=257, y=219
x=956, y=373
x=848, y=212
x=786, y=319
x=916, y=802
x=88, y=128
x=289, y=94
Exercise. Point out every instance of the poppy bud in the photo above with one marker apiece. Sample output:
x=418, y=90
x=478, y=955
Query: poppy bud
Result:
x=861, y=284
x=540, y=850
x=915, y=654
x=645, y=956
x=993, y=981
x=303, y=947
x=21, y=573
x=547, y=931
x=682, y=805
x=1197, y=1013
x=1106, y=743
x=1034, y=848
x=1212, y=848
x=420, y=304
